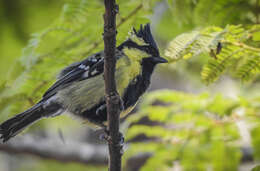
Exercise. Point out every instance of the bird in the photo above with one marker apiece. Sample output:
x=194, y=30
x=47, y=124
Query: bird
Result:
x=80, y=91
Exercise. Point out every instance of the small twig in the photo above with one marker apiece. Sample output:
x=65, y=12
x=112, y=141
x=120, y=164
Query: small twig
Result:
x=242, y=45
x=131, y=14
x=113, y=100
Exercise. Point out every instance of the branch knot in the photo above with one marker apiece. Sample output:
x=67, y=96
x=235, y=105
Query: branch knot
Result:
x=109, y=32
x=114, y=98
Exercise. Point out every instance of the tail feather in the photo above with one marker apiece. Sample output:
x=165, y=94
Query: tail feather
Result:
x=15, y=125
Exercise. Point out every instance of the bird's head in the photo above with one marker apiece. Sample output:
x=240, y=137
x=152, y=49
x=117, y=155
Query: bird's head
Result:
x=141, y=46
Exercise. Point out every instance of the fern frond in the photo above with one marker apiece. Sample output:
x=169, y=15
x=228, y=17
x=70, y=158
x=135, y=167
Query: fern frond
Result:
x=190, y=122
x=177, y=48
x=249, y=69
x=192, y=44
x=226, y=47
x=215, y=67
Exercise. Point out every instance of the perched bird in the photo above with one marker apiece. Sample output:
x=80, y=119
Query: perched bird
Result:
x=79, y=89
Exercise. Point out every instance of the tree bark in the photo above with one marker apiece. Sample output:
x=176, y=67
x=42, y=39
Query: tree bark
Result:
x=113, y=100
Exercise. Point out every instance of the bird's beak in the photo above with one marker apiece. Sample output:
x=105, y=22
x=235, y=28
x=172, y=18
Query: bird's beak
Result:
x=160, y=60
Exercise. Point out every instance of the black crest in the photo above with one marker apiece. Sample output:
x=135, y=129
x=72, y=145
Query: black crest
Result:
x=146, y=35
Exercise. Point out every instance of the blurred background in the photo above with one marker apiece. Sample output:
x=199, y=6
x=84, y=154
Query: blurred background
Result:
x=183, y=123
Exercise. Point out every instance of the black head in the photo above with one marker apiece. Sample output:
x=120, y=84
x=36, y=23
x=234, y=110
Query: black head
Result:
x=145, y=35
x=143, y=40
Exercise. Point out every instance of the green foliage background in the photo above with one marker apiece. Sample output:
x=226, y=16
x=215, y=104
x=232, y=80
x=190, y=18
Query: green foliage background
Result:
x=196, y=129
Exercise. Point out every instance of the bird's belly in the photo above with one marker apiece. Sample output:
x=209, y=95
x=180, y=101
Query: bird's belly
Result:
x=82, y=95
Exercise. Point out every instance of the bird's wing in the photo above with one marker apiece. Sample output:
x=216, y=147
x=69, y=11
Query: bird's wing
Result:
x=85, y=69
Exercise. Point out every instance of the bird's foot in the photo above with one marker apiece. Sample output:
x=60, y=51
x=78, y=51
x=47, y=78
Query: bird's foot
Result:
x=101, y=109
x=106, y=137
x=121, y=105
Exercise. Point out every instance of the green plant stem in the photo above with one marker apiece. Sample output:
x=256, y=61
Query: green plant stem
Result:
x=242, y=45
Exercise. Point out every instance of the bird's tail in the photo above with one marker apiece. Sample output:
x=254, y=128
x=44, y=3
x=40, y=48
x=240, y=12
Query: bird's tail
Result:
x=16, y=124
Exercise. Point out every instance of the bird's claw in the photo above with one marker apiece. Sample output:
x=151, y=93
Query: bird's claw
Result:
x=121, y=106
x=101, y=109
x=106, y=137
x=121, y=139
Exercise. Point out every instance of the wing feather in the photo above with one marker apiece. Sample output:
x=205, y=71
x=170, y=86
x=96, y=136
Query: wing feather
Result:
x=89, y=67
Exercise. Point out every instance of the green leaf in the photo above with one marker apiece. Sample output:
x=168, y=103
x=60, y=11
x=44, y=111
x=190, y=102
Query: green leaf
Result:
x=256, y=168
x=256, y=36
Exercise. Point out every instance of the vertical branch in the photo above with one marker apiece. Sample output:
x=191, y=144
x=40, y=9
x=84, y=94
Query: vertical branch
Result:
x=112, y=98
